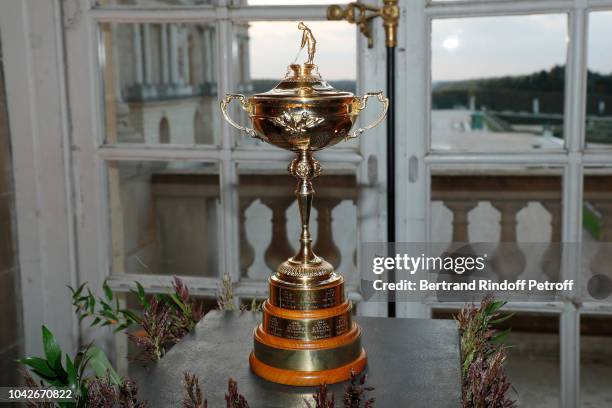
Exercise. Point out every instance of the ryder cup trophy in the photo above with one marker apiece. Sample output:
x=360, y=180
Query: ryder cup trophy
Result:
x=307, y=336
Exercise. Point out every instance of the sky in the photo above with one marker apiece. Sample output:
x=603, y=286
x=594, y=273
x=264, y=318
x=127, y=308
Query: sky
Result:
x=274, y=45
x=464, y=48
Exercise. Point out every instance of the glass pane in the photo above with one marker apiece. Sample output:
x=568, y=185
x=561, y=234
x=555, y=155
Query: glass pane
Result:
x=599, y=82
x=597, y=235
x=533, y=363
x=160, y=83
x=498, y=83
x=165, y=218
x=515, y=207
x=269, y=219
x=595, y=361
x=155, y=3
x=256, y=70
x=292, y=3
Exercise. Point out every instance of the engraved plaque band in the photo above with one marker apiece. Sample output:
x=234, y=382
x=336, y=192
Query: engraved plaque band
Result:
x=307, y=329
x=306, y=299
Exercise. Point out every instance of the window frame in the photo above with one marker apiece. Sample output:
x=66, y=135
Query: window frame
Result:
x=572, y=159
x=83, y=37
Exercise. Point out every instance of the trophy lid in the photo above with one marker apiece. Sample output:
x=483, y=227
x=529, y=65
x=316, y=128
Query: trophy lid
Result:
x=303, y=81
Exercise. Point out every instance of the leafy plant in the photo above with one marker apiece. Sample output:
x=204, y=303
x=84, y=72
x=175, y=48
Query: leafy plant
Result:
x=102, y=393
x=356, y=392
x=194, y=398
x=188, y=312
x=103, y=311
x=233, y=399
x=158, y=332
x=484, y=382
x=76, y=375
x=321, y=399
x=225, y=300
x=165, y=318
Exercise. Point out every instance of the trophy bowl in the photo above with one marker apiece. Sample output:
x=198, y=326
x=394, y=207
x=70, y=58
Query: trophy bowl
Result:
x=307, y=335
x=303, y=112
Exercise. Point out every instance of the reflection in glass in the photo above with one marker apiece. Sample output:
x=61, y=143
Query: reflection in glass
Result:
x=597, y=235
x=269, y=220
x=520, y=206
x=598, y=129
x=160, y=83
x=498, y=83
x=289, y=2
x=164, y=218
x=257, y=70
x=595, y=360
x=157, y=3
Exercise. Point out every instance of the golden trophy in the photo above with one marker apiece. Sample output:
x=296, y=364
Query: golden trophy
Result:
x=307, y=336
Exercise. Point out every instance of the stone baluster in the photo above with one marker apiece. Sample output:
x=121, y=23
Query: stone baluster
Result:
x=551, y=259
x=508, y=260
x=600, y=264
x=460, y=235
x=247, y=253
x=324, y=245
x=279, y=249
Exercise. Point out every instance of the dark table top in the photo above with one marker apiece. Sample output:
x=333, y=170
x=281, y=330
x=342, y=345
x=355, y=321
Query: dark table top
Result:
x=411, y=362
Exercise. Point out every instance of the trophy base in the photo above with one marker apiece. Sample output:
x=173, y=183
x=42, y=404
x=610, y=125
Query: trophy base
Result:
x=307, y=378
x=307, y=363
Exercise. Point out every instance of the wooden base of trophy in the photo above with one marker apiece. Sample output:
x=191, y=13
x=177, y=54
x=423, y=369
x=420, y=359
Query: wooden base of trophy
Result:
x=307, y=336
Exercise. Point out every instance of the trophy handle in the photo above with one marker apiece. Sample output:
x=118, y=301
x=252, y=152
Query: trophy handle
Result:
x=245, y=106
x=360, y=103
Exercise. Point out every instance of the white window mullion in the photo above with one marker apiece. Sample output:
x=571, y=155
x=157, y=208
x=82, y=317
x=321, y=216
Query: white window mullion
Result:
x=412, y=115
x=572, y=200
x=228, y=178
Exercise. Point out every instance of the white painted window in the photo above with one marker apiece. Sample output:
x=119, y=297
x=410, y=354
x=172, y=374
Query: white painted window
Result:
x=166, y=186
x=551, y=145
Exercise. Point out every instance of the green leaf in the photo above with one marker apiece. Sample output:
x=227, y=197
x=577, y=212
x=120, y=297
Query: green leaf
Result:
x=179, y=303
x=142, y=296
x=120, y=327
x=107, y=291
x=52, y=349
x=91, y=301
x=72, y=374
x=495, y=306
x=502, y=319
x=101, y=366
x=501, y=336
x=130, y=316
x=39, y=365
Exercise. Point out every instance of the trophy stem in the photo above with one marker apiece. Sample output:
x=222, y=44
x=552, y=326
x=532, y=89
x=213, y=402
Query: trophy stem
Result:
x=305, y=168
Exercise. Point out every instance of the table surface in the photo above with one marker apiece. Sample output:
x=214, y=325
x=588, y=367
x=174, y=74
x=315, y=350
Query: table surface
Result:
x=411, y=362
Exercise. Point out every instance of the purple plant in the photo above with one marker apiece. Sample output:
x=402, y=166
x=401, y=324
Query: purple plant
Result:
x=484, y=381
x=189, y=313
x=233, y=398
x=356, y=392
x=159, y=331
x=321, y=398
x=102, y=393
x=194, y=398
